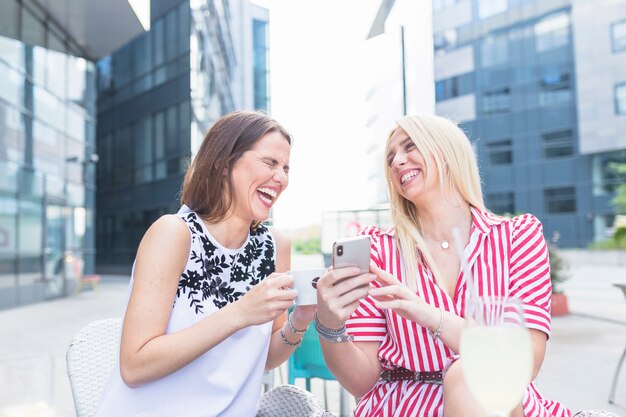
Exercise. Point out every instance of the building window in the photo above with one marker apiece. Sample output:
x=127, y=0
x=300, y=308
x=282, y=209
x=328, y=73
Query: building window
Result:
x=552, y=32
x=494, y=50
x=488, y=8
x=560, y=200
x=605, y=174
x=497, y=101
x=454, y=86
x=500, y=152
x=620, y=98
x=558, y=144
x=442, y=4
x=261, y=65
x=618, y=34
x=445, y=41
x=501, y=203
x=554, y=88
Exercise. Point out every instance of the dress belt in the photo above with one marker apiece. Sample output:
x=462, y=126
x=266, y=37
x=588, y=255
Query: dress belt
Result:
x=402, y=374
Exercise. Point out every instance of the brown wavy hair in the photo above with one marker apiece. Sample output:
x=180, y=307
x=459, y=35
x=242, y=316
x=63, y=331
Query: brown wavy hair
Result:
x=208, y=187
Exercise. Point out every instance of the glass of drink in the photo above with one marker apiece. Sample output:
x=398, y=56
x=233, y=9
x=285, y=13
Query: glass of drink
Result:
x=496, y=353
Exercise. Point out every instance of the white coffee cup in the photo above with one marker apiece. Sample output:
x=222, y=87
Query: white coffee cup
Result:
x=304, y=284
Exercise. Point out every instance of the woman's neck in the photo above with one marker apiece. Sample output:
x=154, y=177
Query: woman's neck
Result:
x=439, y=219
x=230, y=233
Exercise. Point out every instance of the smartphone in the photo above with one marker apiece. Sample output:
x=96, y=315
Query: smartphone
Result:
x=352, y=251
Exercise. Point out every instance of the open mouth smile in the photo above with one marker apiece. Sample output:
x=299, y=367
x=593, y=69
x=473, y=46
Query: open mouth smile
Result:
x=267, y=195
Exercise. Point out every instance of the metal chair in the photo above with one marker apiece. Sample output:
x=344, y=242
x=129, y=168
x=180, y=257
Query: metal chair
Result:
x=288, y=401
x=621, y=359
x=91, y=356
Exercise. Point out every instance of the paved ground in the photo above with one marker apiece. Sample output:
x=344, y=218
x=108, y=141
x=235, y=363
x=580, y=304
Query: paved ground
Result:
x=579, y=366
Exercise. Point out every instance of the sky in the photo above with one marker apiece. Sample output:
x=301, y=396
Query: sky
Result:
x=318, y=86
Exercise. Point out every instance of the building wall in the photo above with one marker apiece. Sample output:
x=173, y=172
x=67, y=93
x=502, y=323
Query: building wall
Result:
x=400, y=64
x=508, y=70
x=47, y=151
x=158, y=95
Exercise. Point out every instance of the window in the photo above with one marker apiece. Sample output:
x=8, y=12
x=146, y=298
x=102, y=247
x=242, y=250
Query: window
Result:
x=560, y=200
x=552, y=32
x=620, y=98
x=558, y=144
x=618, y=34
x=497, y=101
x=554, y=88
x=445, y=41
x=488, y=8
x=500, y=153
x=494, y=51
x=442, y=4
x=501, y=203
x=454, y=86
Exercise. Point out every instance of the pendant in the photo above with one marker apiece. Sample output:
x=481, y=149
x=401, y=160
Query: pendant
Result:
x=445, y=244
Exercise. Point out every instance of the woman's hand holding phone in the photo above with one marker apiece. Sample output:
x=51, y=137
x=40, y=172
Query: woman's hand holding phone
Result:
x=338, y=294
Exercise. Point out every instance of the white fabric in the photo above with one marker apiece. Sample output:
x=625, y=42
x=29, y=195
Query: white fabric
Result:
x=225, y=381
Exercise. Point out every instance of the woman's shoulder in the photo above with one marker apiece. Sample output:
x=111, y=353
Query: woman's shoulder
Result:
x=377, y=233
x=525, y=221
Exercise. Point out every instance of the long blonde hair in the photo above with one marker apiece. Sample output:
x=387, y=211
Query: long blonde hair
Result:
x=441, y=140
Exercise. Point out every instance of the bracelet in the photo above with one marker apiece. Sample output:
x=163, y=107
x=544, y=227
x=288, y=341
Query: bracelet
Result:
x=437, y=332
x=292, y=328
x=332, y=335
x=286, y=341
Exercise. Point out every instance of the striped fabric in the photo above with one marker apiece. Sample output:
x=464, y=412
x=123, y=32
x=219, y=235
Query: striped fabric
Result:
x=506, y=257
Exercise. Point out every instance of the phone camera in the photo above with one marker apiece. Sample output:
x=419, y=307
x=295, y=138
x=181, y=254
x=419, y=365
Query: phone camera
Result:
x=339, y=250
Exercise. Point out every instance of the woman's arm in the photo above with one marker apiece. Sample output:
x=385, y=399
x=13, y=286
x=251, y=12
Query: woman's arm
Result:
x=147, y=353
x=354, y=364
x=279, y=351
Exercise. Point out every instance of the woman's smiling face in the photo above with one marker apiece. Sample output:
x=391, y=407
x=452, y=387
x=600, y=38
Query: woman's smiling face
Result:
x=260, y=176
x=407, y=167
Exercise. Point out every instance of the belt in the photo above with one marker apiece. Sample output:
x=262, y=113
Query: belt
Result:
x=401, y=374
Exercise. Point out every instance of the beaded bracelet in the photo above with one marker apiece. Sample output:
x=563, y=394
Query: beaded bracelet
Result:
x=286, y=341
x=291, y=327
x=437, y=332
x=332, y=335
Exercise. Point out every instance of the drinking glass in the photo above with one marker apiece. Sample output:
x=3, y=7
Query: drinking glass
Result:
x=496, y=353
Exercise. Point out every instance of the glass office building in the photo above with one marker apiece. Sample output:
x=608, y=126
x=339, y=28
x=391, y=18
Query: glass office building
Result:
x=47, y=155
x=538, y=87
x=157, y=95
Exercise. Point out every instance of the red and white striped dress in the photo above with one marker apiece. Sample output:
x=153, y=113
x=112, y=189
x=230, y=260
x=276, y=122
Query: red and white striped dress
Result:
x=507, y=257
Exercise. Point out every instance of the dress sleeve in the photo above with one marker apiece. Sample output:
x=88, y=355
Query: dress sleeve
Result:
x=368, y=323
x=530, y=271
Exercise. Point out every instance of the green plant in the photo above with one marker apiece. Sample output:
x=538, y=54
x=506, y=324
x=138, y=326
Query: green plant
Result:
x=307, y=246
x=558, y=269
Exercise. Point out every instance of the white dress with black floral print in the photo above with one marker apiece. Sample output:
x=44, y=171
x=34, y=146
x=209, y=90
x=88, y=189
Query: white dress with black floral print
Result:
x=226, y=380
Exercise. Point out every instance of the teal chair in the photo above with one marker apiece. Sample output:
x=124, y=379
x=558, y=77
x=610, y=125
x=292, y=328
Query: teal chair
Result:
x=308, y=362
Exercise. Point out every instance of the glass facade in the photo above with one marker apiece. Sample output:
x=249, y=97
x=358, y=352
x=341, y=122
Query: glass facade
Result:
x=158, y=94
x=260, y=46
x=523, y=83
x=47, y=155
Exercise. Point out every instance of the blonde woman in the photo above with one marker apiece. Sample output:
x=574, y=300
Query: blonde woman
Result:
x=394, y=343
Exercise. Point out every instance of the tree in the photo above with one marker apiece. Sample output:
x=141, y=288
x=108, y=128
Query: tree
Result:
x=619, y=202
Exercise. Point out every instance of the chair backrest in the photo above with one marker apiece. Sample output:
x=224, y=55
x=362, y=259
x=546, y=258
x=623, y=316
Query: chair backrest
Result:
x=91, y=356
x=308, y=361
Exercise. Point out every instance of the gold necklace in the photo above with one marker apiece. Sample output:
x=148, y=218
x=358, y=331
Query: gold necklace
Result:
x=444, y=244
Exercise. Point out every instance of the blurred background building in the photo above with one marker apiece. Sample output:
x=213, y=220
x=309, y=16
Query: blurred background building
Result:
x=539, y=86
x=121, y=89
x=156, y=96
x=47, y=137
